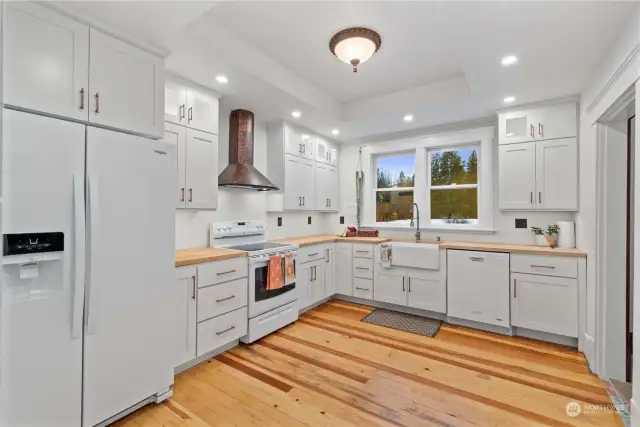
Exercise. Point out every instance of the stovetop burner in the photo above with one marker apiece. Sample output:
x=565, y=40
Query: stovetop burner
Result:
x=252, y=247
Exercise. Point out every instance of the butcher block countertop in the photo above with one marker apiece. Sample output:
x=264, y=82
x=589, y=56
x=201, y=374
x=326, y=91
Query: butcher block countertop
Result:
x=199, y=255
x=467, y=246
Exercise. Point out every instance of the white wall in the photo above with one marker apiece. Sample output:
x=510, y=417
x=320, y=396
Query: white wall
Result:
x=504, y=222
x=192, y=227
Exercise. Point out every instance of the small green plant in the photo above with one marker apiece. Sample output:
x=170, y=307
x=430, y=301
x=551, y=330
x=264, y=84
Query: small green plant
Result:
x=537, y=231
x=553, y=230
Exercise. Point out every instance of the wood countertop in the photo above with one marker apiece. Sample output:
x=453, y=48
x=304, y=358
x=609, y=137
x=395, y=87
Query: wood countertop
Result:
x=468, y=246
x=200, y=255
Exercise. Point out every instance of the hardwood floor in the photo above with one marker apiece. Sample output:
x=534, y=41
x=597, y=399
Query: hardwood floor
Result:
x=331, y=370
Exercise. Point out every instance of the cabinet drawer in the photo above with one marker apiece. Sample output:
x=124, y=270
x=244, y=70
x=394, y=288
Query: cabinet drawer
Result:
x=223, y=298
x=363, y=267
x=362, y=288
x=222, y=271
x=362, y=250
x=311, y=253
x=544, y=265
x=221, y=330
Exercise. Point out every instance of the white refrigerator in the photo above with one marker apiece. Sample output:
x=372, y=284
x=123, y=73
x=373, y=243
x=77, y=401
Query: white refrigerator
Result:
x=83, y=331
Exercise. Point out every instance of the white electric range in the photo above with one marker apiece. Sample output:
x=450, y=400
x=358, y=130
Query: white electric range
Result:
x=269, y=310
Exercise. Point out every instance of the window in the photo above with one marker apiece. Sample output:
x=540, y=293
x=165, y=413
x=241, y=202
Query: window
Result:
x=395, y=180
x=453, y=185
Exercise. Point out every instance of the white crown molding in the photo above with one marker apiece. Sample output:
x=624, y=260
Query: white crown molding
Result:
x=543, y=103
x=622, y=68
x=430, y=130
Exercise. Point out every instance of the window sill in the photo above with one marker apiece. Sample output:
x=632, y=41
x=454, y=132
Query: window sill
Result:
x=474, y=229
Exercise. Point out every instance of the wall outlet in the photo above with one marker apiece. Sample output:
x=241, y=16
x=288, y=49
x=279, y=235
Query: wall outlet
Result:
x=521, y=222
x=341, y=220
x=279, y=221
x=309, y=220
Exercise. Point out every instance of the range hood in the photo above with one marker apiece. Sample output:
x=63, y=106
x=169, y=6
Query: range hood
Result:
x=240, y=173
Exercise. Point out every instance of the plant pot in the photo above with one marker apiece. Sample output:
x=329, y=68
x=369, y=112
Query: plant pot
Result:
x=551, y=241
x=540, y=240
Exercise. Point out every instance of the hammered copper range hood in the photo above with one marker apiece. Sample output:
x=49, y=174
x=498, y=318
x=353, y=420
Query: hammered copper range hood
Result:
x=240, y=173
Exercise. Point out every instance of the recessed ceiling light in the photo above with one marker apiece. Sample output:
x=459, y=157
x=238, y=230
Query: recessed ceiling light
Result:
x=509, y=60
x=222, y=79
x=335, y=132
x=296, y=114
x=508, y=99
x=408, y=118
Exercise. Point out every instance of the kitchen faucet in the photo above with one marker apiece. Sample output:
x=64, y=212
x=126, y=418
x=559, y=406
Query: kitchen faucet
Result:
x=417, y=217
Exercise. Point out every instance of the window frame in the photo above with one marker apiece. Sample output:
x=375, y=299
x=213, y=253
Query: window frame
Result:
x=377, y=190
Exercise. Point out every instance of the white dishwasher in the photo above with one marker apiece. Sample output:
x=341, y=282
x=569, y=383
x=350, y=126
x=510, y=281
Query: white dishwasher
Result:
x=478, y=286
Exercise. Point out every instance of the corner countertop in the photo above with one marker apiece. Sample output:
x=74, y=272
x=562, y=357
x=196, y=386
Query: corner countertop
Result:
x=186, y=257
x=469, y=246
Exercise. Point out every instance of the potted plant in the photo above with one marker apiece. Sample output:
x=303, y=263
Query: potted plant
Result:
x=539, y=236
x=551, y=236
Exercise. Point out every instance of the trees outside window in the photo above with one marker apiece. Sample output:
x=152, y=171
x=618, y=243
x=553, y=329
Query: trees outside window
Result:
x=395, y=181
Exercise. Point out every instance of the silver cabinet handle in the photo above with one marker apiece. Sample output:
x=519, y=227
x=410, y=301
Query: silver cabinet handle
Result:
x=362, y=252
x=313, y=254
x=311, y=274
x=362, y=289
x=82, y=99
x=225, y=272
x=531, y=130
x=409, y=283
x=225, y=299
x=191, y=194
x=532, y=197
x=193, y=288
x=97, y=102
x=402, y=283
x=327, y=256
x=190, y=114
x=542, y=266
x=303, y=201
x=540, y=129
x=299, y=201
x=362, y=268
x=515, y=289
x=226, y=330
x=476, y=258
x=182, y=194
x=181, y=112
x=539, y=196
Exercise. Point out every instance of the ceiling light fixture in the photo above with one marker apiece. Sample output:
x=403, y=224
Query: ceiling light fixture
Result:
x=509, y=60
x=222, y=79
x=296, y=114
x=355, y=45
x=335, y=132
x=408, y=118
x=508, y=99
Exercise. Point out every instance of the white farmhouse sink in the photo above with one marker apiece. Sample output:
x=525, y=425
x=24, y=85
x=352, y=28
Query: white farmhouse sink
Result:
x=417, y=255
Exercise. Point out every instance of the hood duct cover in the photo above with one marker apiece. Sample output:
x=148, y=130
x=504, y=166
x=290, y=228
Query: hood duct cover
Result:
x=240, y=173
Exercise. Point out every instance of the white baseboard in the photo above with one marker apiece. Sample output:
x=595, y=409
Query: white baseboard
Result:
x=193, y=362
x=545, y=336
x=314, y=305
x=399, y=308
x=480, y=326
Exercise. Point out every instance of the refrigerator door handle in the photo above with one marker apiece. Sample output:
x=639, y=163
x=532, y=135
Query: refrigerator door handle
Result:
x=78, y=255
x=91, y=290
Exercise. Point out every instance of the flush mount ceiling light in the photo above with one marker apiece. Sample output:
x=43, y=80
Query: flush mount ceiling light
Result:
x=509, y=60
x=355, y=45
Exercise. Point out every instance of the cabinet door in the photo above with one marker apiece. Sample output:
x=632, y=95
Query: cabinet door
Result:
x=127, y=86
x=201, y=163
x=344, y=268
x=46, y=61
x=517, y=176
x=542, y=303
x=308, y=185
x=176, y=136
x=175, y=102
x=390, y=286
x=333, y=154
x=321, y=194
x=293, y=142
x=321, y=150
x=293, y=185
x=318, y=283
x=516, y=127
x=332, y=189
x=557, y=174
x=560, y=121
x=330, y=270
x=303, y=283
x=202, y=111
x=185, y=323
x=427, y=292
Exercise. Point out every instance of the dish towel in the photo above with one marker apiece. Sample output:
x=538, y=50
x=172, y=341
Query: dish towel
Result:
x=289, y=269
x=385, y=255
x=274, y=273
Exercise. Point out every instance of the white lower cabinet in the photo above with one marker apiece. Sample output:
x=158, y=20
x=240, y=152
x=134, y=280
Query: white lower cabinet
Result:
x=426, y=291
x=344, y=268
x=185, y=320
x=390, y=286
x=221, y=330
x=303, y=280
x=545, y=303
x=478, y=286
x=317, y=285
x=362, y=288
x=330, y=270
x=311, y=276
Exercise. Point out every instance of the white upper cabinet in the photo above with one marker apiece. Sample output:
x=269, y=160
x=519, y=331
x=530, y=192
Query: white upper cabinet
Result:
x=557, y=174
x=538, y=124
x=333, y=154
x=202, y=111
x=308, y=178
x=46, y=61
x=298, y=143
x=293, y=171
x=325, y=151
x=517, y=176
x=177, y=135
x=127, y=86
x=201, y=166
x=326, y=191
x=175, y=102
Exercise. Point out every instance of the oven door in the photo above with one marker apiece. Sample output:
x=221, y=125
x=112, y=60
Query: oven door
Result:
x=261, y=299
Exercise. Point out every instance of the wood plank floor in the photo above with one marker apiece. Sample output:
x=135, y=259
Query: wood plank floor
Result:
x=331, y=370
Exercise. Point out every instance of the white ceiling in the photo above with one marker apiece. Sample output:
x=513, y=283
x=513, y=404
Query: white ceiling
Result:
x=439, y=61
